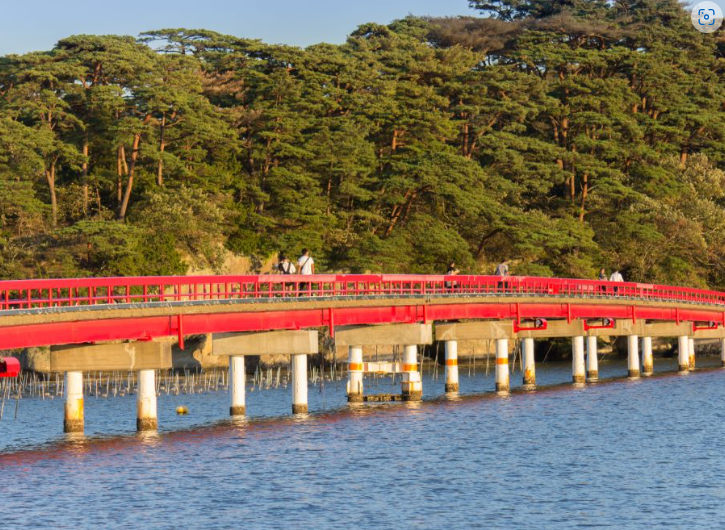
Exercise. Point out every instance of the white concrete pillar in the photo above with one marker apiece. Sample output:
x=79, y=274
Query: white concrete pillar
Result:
x=722, y=352
x=592, y=360
x=237, y=383
x=683, y=354
x=299, y=383
x=355, y=374
x=578, y=372
x=411, y=384
x=452, y=366
x=633, y=370
x=691, y=351
x=502, y=365
x=529, y=362
x=73, y=421
x=146, y=401
x=647, y=359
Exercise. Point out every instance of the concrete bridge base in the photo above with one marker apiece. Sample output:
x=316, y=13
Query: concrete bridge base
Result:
x=683, y=354
x=452, y=384
x=73, y=421
x=633, y=371
x=578, y=371
x=592, y=360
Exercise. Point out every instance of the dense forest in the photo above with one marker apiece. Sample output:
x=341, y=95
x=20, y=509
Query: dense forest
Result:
x=564, y=135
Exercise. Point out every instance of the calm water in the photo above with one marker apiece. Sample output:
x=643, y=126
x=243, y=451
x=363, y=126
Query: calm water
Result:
x=624, y=454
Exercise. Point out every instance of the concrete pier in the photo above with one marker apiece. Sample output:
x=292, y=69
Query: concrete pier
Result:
x=633, y=370
x=146, y=401
x=722, y=352
x=299, y=383
x=647, y=359
x=592, y=360
x=502, y=365
x=355, y=374
x=237, y=382
x=411, y=384
x=73, y=421
x=683, y=353
x=691, y=352
x=578, y=374
x=529, y=362
x=451, y=366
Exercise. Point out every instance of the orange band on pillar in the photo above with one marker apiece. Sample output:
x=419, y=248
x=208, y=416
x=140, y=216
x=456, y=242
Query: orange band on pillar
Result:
x=451, y=362
x=355, y=367
x=502, y=360
x=410, y=367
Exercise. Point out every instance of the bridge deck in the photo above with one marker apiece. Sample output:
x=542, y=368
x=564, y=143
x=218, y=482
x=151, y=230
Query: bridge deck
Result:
x=42, y=312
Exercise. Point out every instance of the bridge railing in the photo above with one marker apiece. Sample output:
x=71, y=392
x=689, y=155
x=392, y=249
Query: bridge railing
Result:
x=28, y=294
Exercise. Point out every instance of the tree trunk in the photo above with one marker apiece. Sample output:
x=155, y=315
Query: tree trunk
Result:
x=50, y=176
x=121, y=170
x=129, y=183
x=162, y=147
x=84, y=176
x=585, y=192
x=397, y=210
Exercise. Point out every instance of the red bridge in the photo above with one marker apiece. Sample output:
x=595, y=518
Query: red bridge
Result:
x=112, y=324
x=68, y=311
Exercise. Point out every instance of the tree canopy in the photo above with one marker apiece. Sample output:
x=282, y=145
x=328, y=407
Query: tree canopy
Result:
x=565, y=135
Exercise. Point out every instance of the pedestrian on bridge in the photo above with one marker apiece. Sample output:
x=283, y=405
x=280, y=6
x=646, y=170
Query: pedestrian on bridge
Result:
x=502, y=269
x=616, y=277
x=306, y=266
x=452, y=271
x=602, y=278
x=285, y=266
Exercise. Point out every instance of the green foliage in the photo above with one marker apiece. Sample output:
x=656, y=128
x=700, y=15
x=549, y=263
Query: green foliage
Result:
x=565, y=135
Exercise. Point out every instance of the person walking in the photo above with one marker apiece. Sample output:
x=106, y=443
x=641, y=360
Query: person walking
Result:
x=602, y=278
x=285, y=266
x=616, y=277
x=306, y=266
x=502, y=269
x=452, y=271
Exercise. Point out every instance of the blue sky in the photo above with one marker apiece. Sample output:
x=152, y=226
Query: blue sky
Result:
x=27, y=25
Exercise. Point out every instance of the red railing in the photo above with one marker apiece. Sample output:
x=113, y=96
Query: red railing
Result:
x=27, y=294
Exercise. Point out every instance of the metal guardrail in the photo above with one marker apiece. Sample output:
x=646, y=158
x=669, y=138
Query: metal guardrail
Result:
x=48, y=293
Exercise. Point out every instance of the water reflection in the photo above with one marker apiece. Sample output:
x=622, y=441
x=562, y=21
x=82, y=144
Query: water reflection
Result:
x=612, y=454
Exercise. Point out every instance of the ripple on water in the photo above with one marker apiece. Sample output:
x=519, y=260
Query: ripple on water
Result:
x=625, y=454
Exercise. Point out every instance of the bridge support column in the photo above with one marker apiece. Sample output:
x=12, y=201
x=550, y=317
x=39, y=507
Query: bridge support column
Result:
x=578, y=374
x=146, y=401
x=691, y=351
x=633, y=370
x=299, y=383
x=73, y=421
x=722, y=352
x=529, y=361
x=411, y=384
x=683, y=353
x=451, y=366
x=502, y=365
x=237, y=382
x=355, y=374
x=647, y=360
x=592, y=360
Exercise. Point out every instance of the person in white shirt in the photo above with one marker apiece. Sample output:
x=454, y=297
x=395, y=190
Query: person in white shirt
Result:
x=306, y=267
x=616, y=277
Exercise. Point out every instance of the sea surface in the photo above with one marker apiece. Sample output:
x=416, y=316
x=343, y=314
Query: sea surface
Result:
x=646, y=453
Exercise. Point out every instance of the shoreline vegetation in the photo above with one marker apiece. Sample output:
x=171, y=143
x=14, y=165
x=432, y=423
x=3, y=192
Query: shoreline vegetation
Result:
x=565, y=136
